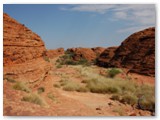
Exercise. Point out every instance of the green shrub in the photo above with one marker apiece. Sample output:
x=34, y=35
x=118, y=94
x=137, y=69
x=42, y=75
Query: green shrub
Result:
x=21, y=86
x=113, y=72
x=41, y=90
x=67, y=59
x=148, y=104
x=34, y=98
x=129, y=99
x=115, y=97
x=83, y=61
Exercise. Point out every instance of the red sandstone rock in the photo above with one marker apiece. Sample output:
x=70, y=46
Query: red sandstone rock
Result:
x=98, y=50
x=22, y=52
x=137, y=53
x=54, y=53
x=106, y=56
x=86, y=53
x=19, y=43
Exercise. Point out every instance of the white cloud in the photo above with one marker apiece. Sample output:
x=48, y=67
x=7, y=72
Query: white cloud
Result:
x=137, y=16
x=90, y=8
x=132, y=29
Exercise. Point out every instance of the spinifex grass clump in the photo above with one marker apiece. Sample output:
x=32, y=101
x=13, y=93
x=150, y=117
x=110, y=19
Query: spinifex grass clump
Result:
x=73, y=86
x=34, y=98
x=21, y=86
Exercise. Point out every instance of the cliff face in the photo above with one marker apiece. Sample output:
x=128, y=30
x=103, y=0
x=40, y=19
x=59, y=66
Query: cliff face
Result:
x=19, y=43
x=23, y=52
x=137, y=53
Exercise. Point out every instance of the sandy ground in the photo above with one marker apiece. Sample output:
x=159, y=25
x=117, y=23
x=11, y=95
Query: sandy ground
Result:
x=67, y=103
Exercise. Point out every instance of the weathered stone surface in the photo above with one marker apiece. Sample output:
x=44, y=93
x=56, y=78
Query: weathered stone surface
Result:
x=89, y=54
x=54, y=53
x=98, y=50
x=82, y=53
x=19, y=43
x=106, y=56
x=137, y=53
x=23, y=52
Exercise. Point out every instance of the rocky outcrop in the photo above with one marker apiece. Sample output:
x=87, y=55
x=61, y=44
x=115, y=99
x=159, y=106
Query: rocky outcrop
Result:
x=98, y=50
x=106, y=56
x=20, y=44
x=23, y=52
x=89, y=54
x=54, y=53
x=137, y=53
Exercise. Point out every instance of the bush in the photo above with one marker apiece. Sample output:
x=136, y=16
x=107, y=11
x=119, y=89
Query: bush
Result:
x=34, y=98
x=21, y=86
x=101, y=86
x=147, y=104
x=113, y=72
x=83, y=61
x=71, y=86
x=82, y=89
x=115, y=97
x=129, y=99
x=67, y=59
x=41, y=90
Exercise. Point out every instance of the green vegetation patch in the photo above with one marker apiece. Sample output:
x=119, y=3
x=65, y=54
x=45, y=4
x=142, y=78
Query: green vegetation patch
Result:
x=113, y=72
x=67, y=59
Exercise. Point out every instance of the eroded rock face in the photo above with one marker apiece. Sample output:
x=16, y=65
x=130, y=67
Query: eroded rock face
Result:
x=23, y=52
x=54, y=53
x=106, y=56
x=137, y=53
x=20, y=44
x=85, y=53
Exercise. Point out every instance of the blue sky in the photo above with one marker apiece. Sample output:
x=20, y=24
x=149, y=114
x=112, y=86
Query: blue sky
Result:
x=82, y=25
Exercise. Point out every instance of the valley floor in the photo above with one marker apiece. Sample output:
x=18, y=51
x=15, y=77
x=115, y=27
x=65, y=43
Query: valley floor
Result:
x=53, y=100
